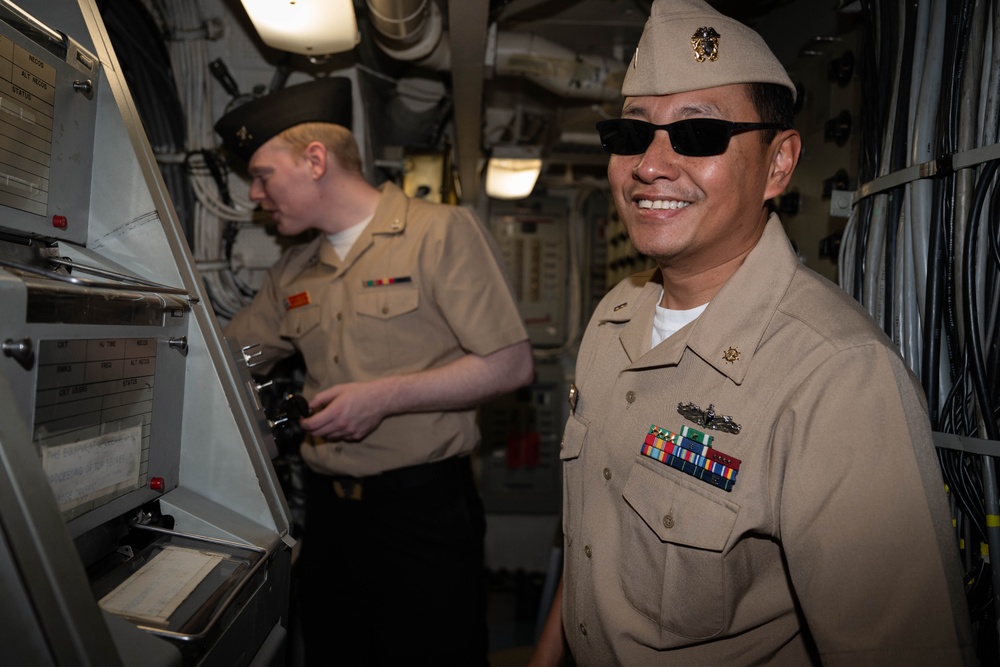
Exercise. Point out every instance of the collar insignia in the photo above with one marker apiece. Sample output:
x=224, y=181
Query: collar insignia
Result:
x=732, y=355
x=705, y=42
x=708, y=418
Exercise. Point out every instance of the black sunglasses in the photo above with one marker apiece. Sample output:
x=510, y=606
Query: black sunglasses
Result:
x=694, y=137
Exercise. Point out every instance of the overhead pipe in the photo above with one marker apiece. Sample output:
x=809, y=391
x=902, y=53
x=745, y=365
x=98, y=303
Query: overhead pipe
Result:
x=556, y=68
x=411, y=30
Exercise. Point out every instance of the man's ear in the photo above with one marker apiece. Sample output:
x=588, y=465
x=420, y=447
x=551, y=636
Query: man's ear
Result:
x=315, y=154
x=785, y=150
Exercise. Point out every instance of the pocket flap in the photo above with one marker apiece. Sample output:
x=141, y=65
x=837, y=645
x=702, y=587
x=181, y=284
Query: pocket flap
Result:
x=300, y=321
x=388, y=303
x=677, y=513
x=573, y=438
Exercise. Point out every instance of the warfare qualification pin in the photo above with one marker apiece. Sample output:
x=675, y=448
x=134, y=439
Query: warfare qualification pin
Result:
x=705, y=42
x=708, y=418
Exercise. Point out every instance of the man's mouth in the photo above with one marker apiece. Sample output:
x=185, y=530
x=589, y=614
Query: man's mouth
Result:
x=662, y=204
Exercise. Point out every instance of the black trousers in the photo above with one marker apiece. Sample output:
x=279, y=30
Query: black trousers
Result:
x=395, y=577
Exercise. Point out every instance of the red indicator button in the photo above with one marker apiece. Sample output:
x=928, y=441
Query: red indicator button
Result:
x=156, y=483
x=60, y=221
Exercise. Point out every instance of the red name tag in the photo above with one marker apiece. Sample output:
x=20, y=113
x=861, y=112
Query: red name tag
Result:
x=296, y=300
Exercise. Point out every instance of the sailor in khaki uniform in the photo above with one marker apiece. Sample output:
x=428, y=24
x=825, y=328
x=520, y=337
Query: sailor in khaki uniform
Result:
x=405, y=321
x=749, y=471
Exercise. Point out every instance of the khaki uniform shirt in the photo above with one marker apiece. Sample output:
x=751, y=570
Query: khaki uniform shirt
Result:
x=836, y=532
x=421, y=287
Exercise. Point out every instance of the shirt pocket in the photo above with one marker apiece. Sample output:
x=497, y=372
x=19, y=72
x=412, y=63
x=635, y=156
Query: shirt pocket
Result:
x=570, y=448
x=387, y=329
x=300, y=325
x=673, y=567
x=384, y=305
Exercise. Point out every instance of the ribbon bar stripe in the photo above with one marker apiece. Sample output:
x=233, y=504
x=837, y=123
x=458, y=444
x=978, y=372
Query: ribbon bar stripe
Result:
x=697, y=436
x=691, y=457
x=659, y=436
x=378, y=282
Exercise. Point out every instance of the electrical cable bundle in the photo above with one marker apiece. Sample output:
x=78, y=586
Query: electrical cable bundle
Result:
x=217, y=208
x=173, y=95
x=923, y=254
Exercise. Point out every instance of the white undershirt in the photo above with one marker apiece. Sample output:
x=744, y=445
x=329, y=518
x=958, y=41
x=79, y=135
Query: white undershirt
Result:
x=342, y=241
x=667, y=322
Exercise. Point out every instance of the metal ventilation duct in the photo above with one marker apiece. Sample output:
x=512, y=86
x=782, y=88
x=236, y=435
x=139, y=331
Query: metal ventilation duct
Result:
x=411, y=30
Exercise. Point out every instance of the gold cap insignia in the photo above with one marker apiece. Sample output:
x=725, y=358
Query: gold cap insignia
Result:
x=244, y=135
x=705, y=42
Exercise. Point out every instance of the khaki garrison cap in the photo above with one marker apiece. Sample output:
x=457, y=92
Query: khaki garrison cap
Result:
x=247, y=127
x=686, y=45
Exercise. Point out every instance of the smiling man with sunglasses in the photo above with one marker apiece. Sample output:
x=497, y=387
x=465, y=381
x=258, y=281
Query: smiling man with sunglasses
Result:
x=748, y=465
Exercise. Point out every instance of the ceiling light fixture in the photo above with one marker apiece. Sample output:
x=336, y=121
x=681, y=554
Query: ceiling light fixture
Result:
x=308, y=27
x=512, y=171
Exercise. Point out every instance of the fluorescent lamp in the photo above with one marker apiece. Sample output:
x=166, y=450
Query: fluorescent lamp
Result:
x=308, y=27
x=511, y=172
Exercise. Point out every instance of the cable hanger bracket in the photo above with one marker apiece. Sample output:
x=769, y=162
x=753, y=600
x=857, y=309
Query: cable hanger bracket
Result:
x=942, y=166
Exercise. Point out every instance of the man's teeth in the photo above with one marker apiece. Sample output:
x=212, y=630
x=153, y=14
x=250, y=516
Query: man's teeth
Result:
x=659, y=203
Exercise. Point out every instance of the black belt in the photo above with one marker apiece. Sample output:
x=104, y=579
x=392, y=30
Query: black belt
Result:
x=394, y=482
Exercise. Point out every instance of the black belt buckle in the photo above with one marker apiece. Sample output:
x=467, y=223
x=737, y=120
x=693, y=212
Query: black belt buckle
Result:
x=348, y=489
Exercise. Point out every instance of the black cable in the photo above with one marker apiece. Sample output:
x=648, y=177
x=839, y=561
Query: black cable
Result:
x=899, y=151
x=993, y=274
x=870, y=134
x=956, y=477
x=938, y=266
x=963, y=26
x=970, y=302
x=931, y=352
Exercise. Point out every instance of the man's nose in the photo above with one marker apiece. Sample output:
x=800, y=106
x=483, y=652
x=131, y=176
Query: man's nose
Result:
x=658, y=160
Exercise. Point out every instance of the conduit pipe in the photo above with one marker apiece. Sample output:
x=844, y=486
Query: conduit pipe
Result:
x=411, y=30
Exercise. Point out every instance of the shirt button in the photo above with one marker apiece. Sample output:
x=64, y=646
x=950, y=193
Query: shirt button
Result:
x=668, y=521
x=385, y=310
x=607, y=473
x=583, y=629
x=340, y=316
x=587, y=551
x=336, y=358
x=630, y=397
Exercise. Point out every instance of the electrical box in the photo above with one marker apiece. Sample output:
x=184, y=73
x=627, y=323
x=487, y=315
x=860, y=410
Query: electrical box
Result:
x=141, y=521
x=532, y=237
